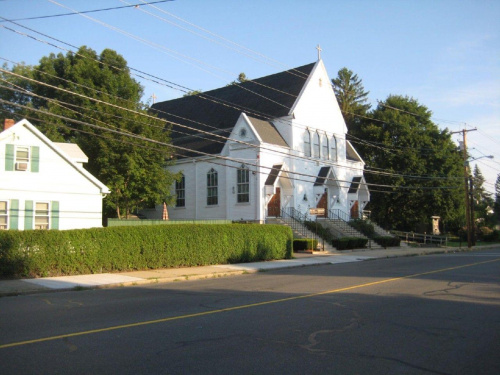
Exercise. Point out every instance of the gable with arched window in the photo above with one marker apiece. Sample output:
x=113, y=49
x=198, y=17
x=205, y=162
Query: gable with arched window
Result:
x=212, y=188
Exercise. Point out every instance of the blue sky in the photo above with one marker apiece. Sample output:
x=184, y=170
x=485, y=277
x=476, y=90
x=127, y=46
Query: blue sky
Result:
x=444, y=53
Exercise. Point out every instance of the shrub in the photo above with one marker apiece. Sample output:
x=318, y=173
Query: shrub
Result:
x=387, y=241
x=304, y=244
x=50, y=253
x=347, y=243
x=363, y=226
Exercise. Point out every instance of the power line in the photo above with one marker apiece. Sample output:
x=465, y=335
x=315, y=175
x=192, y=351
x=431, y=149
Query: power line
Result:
x=89, y=11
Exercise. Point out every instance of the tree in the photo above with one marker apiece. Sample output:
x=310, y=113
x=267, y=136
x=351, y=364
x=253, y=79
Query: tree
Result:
x=351, y=96
x=406, y=151
x=483, y=202
x=99, y=91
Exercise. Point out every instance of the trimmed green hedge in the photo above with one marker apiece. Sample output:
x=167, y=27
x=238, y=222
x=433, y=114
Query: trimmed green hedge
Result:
x=363, y=226
x=348, y=243
x=304, y=244
x=83, y=251
x=387, y=241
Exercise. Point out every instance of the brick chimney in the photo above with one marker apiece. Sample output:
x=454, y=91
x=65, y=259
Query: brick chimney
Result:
x=8, y=122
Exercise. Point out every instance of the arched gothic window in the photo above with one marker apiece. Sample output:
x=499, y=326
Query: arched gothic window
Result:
x=180, y=192
x=307, y=143
x=316, y=148
x=325, y=147
x=212, y=188
x=243, y=184
x=333, y=149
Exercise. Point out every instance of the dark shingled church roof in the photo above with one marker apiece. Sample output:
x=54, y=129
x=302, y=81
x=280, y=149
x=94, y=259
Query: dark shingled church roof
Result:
x=217, y=111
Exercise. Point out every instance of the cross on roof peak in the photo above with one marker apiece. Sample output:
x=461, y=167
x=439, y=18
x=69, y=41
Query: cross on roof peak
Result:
x=319, y=51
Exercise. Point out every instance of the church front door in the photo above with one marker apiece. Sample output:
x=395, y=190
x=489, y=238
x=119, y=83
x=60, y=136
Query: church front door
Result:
x=274, y=205
x=355, y=210
x=323, y=203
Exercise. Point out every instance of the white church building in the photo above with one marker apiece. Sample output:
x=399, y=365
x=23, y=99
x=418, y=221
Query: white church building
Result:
x=264, y=148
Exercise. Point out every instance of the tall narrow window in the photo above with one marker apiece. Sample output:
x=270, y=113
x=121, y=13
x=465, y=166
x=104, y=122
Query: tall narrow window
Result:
x=316, y=148
x=324, y=146
x=42, y=215
x=307, y=143
x=243, y=184
x=180, y=192
x=333, y=149
x=212, y=189
x=4, y=215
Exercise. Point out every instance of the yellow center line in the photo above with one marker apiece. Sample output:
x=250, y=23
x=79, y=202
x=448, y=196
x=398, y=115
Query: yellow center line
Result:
x=240, y=307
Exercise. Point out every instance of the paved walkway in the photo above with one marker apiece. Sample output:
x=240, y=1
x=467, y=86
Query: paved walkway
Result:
x=107, y=280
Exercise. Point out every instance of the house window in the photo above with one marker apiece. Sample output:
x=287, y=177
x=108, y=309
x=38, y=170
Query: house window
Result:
x=42, y=215
x=22, y=158
x=307, y=143
x=333, y=149
x=212, y=189
x=243, y=184
x=4, y=215
x=180, y=192
x=325, y=147
x=316, y=148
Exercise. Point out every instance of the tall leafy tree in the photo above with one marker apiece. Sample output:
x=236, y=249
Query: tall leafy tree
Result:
x=97, y=89
x=415, y=167
x=351, y=96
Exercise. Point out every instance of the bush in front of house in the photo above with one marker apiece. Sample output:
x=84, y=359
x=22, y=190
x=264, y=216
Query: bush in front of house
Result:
x=348, y=243
x=363, y=226
x=387, y=241
x=300, y=244
x=83, y=251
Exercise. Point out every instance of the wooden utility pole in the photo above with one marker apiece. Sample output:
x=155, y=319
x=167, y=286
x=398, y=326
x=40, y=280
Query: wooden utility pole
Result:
x=468, y=209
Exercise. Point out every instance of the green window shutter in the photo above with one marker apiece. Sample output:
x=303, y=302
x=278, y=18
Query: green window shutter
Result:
x=9, y=157
x=54, y=214
x=14, y=214
x=35, y=158
x=28, y=215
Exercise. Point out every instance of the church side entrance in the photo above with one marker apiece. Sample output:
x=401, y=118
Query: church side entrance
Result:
x=355, y=210
x=323, y=203
x=274, y=205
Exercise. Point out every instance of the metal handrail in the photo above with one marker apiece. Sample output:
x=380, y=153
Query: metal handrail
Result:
x=421, y=238
x=339, y=214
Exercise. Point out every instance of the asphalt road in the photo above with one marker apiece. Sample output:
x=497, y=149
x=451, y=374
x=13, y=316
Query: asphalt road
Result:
x=436, y=314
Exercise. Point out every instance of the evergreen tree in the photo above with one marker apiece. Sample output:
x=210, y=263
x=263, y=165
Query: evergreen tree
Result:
x=98, y=90
x=351, y=96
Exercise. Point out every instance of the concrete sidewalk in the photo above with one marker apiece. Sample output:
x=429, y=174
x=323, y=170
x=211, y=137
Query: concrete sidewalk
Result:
x=107, y=280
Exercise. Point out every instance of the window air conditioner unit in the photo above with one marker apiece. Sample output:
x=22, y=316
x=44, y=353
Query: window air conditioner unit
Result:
x=21, y=166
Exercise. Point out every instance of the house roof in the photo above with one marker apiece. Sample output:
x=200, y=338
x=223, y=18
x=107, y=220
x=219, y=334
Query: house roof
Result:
x=353, y=188
x=322, y=175
x=218, y=110
x=267, y=132
x=273, y=174
x=71, y=159
x=73, y=151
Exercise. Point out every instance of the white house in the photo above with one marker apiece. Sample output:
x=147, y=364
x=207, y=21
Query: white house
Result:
x=43, y=184
x=264, y=148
